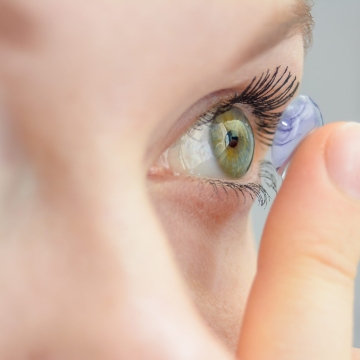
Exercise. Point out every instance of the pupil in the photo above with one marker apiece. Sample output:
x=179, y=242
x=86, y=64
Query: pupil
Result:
x=232, y=139
x=233, y=143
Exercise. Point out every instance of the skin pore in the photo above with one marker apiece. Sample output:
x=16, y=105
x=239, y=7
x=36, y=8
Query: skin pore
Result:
x=100, y=258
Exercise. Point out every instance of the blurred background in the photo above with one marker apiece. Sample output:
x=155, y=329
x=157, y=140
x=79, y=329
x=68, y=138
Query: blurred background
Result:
x=332, y=79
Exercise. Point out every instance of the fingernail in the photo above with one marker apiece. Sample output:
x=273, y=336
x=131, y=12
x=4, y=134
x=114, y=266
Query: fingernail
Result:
x=342, y=158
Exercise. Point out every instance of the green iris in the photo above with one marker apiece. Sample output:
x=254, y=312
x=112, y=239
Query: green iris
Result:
x=232, y=142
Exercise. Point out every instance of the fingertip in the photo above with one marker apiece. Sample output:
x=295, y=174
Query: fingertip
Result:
x=342, y=158
x=303, y=290
x=317, y=196
x=356, y=354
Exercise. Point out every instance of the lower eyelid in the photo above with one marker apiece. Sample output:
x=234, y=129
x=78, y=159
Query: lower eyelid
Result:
x=248, y=188
x=244, y=191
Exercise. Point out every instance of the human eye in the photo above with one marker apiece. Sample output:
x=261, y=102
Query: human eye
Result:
x=224, y=147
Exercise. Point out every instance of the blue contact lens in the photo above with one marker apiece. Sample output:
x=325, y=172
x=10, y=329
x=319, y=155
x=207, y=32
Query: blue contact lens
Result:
x=298, y=120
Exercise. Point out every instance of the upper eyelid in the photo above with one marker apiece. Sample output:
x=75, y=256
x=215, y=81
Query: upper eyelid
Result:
x=264, y=95
x=205, y=110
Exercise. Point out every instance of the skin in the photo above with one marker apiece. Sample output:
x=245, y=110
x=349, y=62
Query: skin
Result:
x=101, y=259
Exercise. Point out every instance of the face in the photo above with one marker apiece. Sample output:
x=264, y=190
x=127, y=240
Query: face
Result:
x=127, y=84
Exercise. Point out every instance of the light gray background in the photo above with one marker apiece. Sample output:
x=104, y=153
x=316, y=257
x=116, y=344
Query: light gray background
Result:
x=332, y=78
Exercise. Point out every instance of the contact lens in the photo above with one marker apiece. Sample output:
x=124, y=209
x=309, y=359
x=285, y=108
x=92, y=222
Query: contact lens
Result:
x=298, y=120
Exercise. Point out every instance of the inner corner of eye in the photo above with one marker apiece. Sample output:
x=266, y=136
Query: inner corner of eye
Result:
x=221, y=149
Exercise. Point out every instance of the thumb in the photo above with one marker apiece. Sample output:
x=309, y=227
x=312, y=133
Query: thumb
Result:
x=356, y=354
x=301, y=304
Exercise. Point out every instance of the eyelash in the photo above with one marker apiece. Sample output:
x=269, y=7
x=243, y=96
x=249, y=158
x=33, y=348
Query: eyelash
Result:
x=264, y=95
x=254, y=190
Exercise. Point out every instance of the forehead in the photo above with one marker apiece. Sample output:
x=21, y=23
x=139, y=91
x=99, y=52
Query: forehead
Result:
x=162, y=42
x=256, y=24
x=266, y=21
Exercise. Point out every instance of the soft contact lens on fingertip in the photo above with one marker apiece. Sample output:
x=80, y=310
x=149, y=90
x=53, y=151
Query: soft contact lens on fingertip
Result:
x=298, y=120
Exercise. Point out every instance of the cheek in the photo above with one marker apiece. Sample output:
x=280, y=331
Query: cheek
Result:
x=212, y=242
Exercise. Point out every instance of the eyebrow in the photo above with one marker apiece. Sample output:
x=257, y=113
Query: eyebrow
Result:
x=296, y=18
x=303, y=20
